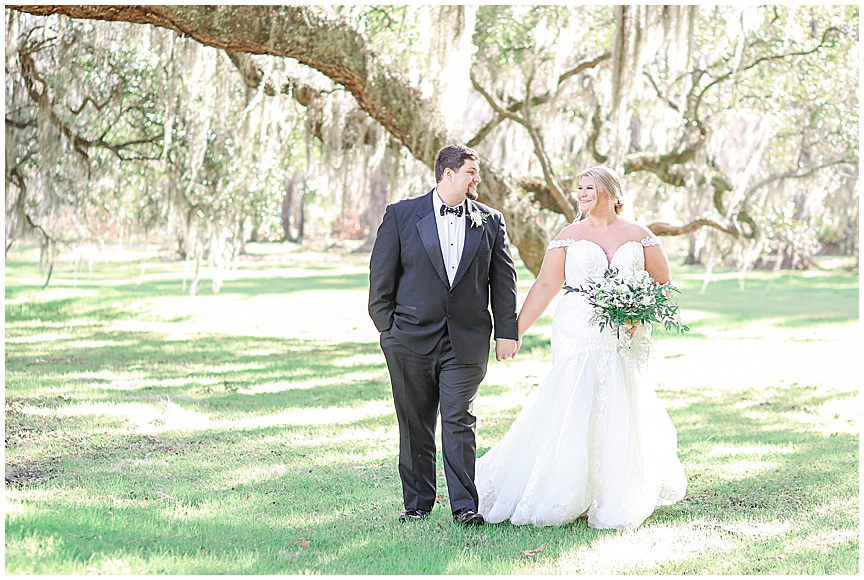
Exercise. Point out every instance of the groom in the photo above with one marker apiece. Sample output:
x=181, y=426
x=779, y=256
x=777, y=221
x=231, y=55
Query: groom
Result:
x=438, y=263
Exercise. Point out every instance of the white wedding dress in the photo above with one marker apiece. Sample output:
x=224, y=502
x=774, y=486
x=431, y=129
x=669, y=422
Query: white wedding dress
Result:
x=592, y=439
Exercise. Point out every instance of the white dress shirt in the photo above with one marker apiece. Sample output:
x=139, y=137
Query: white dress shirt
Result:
x=451, y=235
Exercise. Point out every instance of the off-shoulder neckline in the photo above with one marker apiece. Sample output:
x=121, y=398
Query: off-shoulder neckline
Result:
x=645, y=242
x=567, y=242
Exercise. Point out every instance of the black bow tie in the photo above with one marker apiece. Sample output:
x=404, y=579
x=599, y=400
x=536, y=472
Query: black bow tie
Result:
x=457, y=210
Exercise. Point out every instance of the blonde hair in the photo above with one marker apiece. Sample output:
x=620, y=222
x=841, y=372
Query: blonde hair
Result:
x=609, y=181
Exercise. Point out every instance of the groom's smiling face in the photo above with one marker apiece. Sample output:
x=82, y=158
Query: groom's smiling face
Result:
x=466, y=180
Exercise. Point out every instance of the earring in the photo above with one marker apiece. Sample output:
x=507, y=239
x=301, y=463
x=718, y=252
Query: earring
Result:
x=609, y=199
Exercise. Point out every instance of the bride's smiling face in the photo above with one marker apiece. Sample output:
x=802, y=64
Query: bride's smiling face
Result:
x=587, y=194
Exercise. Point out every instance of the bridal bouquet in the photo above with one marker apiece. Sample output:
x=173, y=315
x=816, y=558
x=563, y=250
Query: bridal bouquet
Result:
x=620, y=299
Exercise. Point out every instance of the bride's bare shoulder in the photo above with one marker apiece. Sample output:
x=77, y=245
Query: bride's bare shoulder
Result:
x=565, y=237
x=572, y=232
x=635, y=230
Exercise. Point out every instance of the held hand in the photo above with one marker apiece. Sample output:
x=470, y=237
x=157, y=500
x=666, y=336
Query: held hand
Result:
x=506, y=348
x=517, y=346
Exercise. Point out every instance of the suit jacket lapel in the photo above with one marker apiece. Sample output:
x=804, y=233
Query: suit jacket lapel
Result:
x=473, y=235
x=428, y=229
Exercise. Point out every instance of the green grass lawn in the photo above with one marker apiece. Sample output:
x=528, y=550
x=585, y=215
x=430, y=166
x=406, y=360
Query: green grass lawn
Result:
x=252, y=432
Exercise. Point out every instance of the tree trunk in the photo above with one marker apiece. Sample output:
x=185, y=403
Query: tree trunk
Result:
x=694, y=249
x=378, y=198
x=288, y=219
x=294, y=207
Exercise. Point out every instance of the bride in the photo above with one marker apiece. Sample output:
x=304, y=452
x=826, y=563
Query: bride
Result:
x=592, y=440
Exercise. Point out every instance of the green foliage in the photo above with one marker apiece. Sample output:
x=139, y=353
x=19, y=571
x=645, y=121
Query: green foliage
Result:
x=381, y=19
x=812, y=91
x=780, y=231
x=394, y=32
x=505, y=33
x=512, y=35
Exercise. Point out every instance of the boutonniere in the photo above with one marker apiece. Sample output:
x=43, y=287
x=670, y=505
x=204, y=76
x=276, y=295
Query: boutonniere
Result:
x=477, y=218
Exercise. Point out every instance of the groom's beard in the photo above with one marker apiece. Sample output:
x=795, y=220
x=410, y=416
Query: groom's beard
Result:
x=472, y=194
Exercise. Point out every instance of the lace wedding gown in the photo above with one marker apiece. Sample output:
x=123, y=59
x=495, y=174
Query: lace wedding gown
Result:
x=592, y=439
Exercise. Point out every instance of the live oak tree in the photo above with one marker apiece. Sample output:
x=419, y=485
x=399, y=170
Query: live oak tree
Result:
x=663, y=94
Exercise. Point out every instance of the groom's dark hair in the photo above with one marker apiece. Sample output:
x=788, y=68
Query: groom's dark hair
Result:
x=452, y=157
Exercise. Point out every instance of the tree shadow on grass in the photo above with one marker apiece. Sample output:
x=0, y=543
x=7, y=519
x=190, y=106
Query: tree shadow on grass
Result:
x=256, y=494
x=251, y=286
x=211, y=372
x=748, y=462
x=125, y=282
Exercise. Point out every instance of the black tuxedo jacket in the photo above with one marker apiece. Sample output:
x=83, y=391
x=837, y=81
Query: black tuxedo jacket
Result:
x=410, y=295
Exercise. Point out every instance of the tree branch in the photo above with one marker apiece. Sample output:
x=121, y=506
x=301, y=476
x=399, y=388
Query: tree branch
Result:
x=660, y=95
x=566, y=207
x=253, y=76
x=538, y=99
x=484, y=131
x=89, y=99
x=301, y=32
x=20, y=124
x=664, y=229
x=80, y=144
x=795, y=174
x=582, y=67
x=596, y=124
x=36, y=226
x=757, y=62
x=661, y=165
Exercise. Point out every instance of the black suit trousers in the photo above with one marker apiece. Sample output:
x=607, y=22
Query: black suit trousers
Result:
x=423, y=385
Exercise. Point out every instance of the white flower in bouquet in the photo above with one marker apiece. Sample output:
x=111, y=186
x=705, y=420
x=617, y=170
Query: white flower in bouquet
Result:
x=631, y=298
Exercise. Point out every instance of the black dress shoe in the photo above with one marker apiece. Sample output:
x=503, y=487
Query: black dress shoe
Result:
x=468, y=517
x=412, y=514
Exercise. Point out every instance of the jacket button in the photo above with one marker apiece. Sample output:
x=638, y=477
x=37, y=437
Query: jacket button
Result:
x=451, y=295
x=449, y=316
